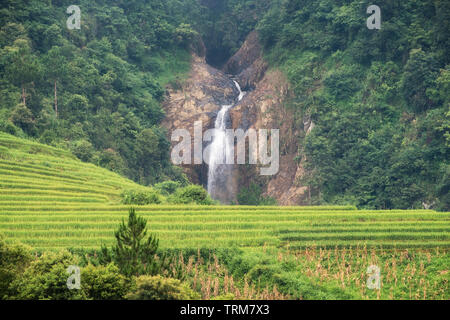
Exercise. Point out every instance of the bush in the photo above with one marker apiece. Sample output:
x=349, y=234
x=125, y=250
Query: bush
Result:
x=264, y=273
x=139, y=197
x=103, y=282
x=167, y=187
x=46, y=279
x=14, y=258
x=22, y=117
x=191, y=194
x=159, y=288
x=9, y=127
x=111, y=160
x=83, y=150
x=252, y=196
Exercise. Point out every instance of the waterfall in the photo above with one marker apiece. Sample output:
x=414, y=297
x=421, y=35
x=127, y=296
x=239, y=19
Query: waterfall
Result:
x=241, y=93
x=218, y=171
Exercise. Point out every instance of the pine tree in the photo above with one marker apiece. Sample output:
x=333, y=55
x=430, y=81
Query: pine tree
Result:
x=135, y=252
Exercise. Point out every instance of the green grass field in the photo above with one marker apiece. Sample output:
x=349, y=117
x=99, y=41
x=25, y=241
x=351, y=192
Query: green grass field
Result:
x=88, y=226
x=50, y=200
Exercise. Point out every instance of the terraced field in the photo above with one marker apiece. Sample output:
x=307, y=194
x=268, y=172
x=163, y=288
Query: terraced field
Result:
x=49, y=200
x=32, y=174
x=88, y=226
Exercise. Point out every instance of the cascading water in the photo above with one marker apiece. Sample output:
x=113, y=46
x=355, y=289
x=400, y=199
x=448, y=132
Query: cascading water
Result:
x=220, y=148
x=241, y=93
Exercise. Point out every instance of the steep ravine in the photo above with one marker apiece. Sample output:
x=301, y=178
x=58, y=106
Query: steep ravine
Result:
x=204, y=93
x=198, y=98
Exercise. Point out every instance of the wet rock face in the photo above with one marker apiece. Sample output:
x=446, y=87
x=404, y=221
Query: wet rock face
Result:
x=263, y=108
x=199, y=99
x=247, y=65
x=246, y=56
x=207, y=89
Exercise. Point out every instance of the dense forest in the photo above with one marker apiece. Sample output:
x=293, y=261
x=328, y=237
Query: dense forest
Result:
x=96, y=90
x=379, y=99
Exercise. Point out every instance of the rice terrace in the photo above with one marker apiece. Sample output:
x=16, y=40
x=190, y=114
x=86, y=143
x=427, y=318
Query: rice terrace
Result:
x=51, y=201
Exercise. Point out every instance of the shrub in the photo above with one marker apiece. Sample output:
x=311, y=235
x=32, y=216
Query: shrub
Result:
x=83, y=150
x=159, y=288
x=167, y=187
x=111, y=160
x=46, y=279
x=264, y=273
x=141, y=197
x=252, y=196
x=103, y=282
x=9, y=127
x=14, y=258
x=191, y=194
x=22, y=117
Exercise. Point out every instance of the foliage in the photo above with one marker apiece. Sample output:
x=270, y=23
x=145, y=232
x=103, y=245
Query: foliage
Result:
x=46, y=279
x=14, y=258
x=167, y=187
x=226, y=23
x=253, y=196
x=134, y=252
x=141, y=197
x=159, y=288
x=378, y=98
x=83, y=150
x=102, y=85
x=191, y=194
x=104, y=282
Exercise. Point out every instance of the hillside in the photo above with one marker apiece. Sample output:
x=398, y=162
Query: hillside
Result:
x=34, y=174
x=94, y=90
x=371, y=106
x=363, y=113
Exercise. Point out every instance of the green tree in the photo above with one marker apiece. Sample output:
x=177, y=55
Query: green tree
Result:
x=83, y=150
x=23, y=66
x=420, y=75
x=141, y=197
x=56, y=69
x=22, y=117
x=191, y=194
x=135, y=251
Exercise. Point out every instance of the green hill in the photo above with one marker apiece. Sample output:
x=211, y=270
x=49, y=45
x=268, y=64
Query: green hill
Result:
x=33, y=174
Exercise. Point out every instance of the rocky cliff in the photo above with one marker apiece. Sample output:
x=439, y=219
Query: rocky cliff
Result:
x=198, y=98
x=206, y=89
